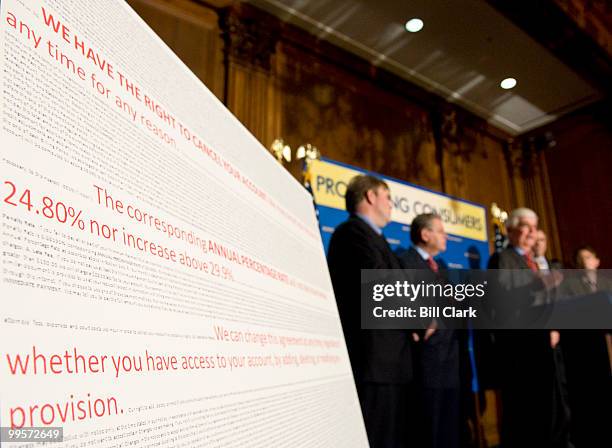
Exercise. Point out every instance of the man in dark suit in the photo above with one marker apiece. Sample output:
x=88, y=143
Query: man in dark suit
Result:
x=381, y=359
x=439, y=360
x=587, y=358
x=534, y=411
x=586, y=280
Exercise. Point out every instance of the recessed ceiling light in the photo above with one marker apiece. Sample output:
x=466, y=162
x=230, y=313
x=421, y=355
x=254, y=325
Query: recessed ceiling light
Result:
x=508, y=83
x=414, y=25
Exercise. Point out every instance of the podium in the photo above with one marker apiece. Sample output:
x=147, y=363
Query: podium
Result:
x=591, y=311
x=586, y=312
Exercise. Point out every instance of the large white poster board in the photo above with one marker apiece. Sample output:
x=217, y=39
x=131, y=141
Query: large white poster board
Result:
x=163, y=279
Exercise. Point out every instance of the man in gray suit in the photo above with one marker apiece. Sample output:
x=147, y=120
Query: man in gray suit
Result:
x=533, y=407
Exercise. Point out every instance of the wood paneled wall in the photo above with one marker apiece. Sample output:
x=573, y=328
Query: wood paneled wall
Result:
x=594, y=17
x=354, y=121
x=192, y=32
x=579, y=170
x=283, y=82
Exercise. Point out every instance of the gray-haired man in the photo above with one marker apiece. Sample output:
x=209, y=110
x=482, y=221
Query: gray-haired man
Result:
x=534, y=410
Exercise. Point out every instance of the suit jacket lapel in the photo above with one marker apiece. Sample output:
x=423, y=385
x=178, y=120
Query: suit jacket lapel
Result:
x=381, y=242
x=520, y=260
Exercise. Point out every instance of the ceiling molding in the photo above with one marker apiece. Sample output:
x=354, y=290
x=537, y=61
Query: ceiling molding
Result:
x=546, y=23
x=461, y=56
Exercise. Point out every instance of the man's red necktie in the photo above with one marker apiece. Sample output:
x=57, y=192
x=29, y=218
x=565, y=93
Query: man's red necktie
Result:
x=531, y=262
x=432, y=264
